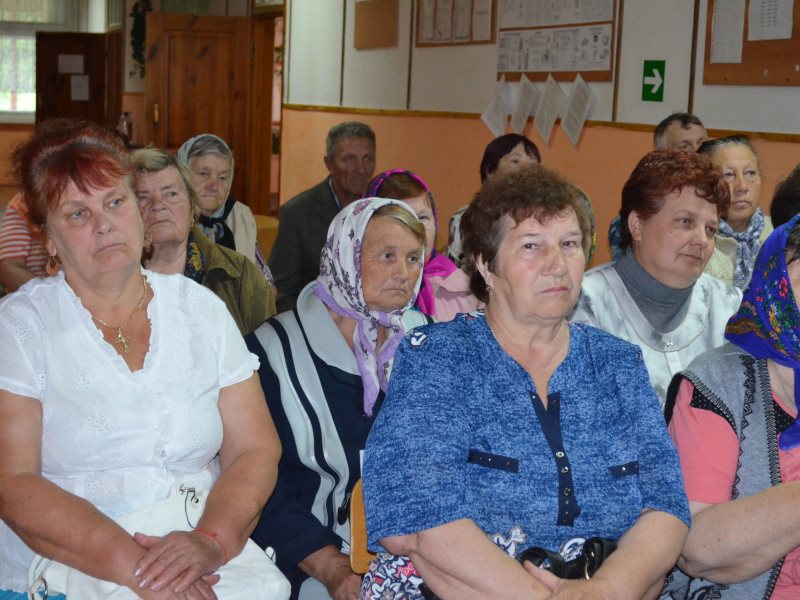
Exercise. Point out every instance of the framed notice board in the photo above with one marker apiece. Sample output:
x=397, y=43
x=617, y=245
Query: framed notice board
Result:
x=563, y=39
x=455, y=22
x=764, y=62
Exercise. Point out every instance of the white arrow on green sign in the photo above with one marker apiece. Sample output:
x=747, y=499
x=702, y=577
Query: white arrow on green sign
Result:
x=653, y=81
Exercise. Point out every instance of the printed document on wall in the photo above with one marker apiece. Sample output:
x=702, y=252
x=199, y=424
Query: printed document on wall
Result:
x=462, y=17
x=526, y=106
x=585, y=48
x=537, y=13
x=444, y=20
x=481, y=20
x=770, y=20
x=549, y=109
x=427, y=15
x=495, y=114
x=580, y=104
x=727, y=31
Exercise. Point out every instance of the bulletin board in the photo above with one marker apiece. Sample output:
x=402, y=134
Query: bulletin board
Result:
x=540, y=38
x=455, y=22
x=376, y=24
x=764, y=62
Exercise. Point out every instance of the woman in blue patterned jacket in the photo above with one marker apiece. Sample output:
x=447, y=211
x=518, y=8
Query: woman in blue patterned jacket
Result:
x=516, y=429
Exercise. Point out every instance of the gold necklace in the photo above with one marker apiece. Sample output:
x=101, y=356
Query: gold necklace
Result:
x=121, y=339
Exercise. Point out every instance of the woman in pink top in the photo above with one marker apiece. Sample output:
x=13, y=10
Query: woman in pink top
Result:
x=22, y=252
x=733, y=418
x=445, y=288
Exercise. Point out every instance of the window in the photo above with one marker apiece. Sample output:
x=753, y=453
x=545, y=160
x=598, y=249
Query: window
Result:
x=19, y=21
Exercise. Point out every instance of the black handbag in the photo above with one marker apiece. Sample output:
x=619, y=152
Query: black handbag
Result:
x=594, y=553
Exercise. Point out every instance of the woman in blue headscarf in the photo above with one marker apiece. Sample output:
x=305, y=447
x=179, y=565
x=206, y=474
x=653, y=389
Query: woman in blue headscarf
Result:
x=733, y=417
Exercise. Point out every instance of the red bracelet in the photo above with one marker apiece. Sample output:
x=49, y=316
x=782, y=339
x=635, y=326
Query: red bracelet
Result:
x=213, y=536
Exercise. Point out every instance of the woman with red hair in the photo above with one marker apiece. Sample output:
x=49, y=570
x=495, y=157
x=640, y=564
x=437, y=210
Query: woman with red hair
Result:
x=119, y=386
x=656, y=295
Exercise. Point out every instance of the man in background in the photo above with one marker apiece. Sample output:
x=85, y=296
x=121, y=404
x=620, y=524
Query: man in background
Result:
x=681, y=131
x=304, y=220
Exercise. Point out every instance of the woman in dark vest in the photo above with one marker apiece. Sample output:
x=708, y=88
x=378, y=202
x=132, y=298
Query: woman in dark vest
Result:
x=733, y=418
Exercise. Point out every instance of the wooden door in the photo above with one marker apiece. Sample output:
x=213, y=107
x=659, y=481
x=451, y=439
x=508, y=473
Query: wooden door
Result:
x=198, y=81
x=71, y=76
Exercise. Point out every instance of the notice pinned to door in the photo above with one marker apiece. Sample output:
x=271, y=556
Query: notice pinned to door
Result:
x=70, y=63
x=79, y=88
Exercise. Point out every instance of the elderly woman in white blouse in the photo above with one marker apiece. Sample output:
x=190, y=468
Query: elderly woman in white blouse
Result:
x=116, y=386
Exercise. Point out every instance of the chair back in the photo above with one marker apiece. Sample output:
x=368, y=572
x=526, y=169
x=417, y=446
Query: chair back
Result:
x=360, y=557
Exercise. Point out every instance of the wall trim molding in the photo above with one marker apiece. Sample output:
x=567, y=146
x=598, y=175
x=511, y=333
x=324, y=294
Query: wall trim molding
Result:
x=792, y=138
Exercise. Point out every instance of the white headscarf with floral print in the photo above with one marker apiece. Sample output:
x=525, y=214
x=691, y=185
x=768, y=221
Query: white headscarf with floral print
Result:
x=339, y=287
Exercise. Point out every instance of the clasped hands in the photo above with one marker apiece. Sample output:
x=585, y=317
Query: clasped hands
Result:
x=180, y=565
x=555, y=587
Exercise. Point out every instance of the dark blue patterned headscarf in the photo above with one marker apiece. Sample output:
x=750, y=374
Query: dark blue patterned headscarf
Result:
x=767, y=324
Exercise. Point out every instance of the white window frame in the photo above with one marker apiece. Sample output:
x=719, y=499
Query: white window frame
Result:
x=75, y=13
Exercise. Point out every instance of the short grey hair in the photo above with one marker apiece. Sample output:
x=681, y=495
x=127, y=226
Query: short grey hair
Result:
x=155, y=160
x=685, y=119
x=710, y=147
x=203, y=144
x=348, y=129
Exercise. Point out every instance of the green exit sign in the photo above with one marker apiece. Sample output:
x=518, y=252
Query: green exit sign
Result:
x=653, y=81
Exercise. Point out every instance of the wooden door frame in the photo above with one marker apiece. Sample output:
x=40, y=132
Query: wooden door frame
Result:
x=260, y=141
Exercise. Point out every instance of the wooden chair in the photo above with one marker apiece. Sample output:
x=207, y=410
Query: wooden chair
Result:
x=267, y=231
x=360, y=557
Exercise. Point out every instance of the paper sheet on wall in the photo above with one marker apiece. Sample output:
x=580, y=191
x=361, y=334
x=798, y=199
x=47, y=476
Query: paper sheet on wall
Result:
x=727, y=31
x=770, y=20
x=538, y=13
x=444, y=20
x=481, y=20
x=495, y=114
x=461, y=20
x=527, y=104
x=79, y=88
x=549, y=109
x=427, y=20
x=580, y=104
x=585, y=48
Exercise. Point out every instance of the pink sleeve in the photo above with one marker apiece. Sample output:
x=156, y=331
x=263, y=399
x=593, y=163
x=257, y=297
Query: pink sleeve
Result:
x=708, y=449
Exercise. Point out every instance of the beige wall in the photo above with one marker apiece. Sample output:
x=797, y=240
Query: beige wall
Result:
x=446, y=152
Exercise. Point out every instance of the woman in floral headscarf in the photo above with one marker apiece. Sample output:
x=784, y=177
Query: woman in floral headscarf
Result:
x=445, y=288
x=324, y=368
x=735, y=425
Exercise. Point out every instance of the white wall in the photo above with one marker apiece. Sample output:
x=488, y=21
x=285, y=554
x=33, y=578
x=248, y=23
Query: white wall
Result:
x=378, y=76
x=321, y=72
x=743, y=108
x=655, y=30
x=313, y=75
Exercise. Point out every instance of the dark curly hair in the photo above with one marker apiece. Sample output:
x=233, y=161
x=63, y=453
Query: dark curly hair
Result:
x=499, y=147
x=533, y=191
x=662, y=172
